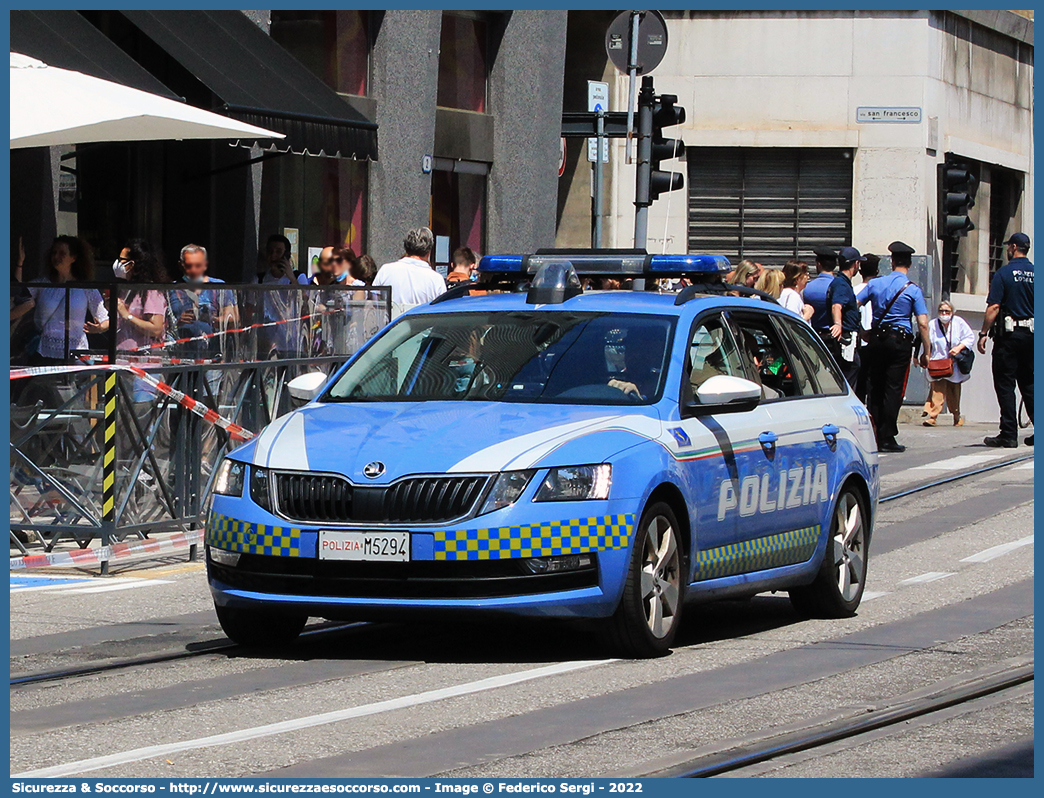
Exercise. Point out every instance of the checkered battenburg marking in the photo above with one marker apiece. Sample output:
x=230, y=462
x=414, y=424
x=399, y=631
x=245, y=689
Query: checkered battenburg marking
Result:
x=538, y=540
x=233, y=535
x=786, y=548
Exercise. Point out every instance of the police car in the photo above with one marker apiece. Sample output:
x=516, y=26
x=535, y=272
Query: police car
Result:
x=551, y=451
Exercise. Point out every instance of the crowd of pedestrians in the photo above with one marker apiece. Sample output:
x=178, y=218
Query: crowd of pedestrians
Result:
x=877, y=327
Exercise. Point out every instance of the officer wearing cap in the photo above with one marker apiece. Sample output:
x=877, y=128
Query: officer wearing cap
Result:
x=816, y=290
x=1009, y=317
x=842, y=339
x=893, y=299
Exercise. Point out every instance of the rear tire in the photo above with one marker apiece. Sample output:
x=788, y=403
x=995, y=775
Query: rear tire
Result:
x=838, y=586
x=259, y=628
x=647, y=620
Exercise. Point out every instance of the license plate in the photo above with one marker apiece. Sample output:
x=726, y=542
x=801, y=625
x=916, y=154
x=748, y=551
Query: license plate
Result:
x=335, y=544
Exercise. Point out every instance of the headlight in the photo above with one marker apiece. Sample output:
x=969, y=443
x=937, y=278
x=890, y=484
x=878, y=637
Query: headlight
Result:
x=229, y=479
x=506, y=490
x=576, y=483
x=260, y=491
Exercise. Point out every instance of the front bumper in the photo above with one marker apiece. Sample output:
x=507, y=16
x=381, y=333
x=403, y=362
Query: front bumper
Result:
x=474, y=565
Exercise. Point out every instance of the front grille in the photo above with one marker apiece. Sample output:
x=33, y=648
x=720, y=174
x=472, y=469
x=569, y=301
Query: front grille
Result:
x=431, y=498
x=303, y=576
x=321, y=498
x=314, y=497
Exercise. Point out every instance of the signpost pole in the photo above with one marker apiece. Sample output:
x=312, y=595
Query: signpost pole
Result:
x=643, y=172
x=632, y=72
x=596, y=227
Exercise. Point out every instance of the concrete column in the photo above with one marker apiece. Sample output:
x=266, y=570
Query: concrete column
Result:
x=404, y=83
x=525, y=95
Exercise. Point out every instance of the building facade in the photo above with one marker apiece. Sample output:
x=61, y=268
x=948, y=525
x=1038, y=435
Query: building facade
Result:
x=393, y=120
x=826, y=128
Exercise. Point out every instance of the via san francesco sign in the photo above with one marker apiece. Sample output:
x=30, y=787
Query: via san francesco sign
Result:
x=872, y=114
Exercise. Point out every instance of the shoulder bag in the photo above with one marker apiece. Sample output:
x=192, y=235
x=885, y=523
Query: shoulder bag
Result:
x=943, y=367
x=964, y=359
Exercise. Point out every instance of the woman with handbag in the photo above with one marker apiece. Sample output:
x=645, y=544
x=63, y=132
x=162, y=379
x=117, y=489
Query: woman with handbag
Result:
x=949, y=365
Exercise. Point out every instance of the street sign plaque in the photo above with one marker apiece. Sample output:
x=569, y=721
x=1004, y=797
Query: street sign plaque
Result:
x=652, y=41
x=597, y=96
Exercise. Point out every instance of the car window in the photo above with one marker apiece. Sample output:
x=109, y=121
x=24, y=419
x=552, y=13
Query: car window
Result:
x=824, y=372
x=767, y=360
x=712, y=351
x=513, y=356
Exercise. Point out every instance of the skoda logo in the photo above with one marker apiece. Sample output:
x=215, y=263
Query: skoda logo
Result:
x=374, y=469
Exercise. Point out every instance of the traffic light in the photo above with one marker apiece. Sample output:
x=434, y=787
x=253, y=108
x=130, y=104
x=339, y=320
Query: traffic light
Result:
x=654, y=114
x=665, y=114
x=956, y=185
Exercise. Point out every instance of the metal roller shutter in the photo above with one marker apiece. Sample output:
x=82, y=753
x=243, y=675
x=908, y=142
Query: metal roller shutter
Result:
x=769, y=205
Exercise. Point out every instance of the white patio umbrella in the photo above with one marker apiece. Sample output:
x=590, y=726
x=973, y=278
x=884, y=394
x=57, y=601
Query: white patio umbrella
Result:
x=51, y=106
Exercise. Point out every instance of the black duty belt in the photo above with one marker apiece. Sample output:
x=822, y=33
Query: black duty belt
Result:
x=899, y=332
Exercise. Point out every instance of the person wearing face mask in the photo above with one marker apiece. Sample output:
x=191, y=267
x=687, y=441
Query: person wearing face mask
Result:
x=948, y=335
x=198, y=310
x=135, y=250
x=141, y=312
x=332, y=267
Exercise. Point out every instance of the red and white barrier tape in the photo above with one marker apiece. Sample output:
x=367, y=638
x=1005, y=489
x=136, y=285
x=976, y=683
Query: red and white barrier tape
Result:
x=236, y=432
x=117, y=552
x=258, y=326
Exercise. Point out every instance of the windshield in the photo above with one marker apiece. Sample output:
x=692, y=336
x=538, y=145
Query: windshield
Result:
x=513, y=356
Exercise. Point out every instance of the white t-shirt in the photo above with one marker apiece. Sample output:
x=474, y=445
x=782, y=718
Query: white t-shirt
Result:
x=866, y=312
x=413, y=282
x=791, y=300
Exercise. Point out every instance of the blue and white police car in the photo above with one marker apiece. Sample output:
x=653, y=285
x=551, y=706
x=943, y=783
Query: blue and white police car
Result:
x=553, y=451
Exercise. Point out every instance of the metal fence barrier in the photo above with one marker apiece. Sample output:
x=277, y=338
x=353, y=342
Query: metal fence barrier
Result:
x=101, y=452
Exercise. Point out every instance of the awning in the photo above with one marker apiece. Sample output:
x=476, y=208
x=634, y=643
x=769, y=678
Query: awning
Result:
x=259, y=82
x=66, y=40
x=52, y=106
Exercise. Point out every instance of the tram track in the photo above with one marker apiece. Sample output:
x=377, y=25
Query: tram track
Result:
x=323, y=631
x=851, y=727
x=945, y=480
x=316, y=633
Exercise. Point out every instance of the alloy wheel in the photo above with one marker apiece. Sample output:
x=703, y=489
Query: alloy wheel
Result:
x=661, y=576
x=849, y=547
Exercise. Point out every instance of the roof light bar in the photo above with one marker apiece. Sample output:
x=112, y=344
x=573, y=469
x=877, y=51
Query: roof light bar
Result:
x=689, y=264
x=622, y=263
x=501, y=263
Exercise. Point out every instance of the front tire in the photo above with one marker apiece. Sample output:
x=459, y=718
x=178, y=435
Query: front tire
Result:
x=838, y=587
x=259, y=628
x=647, y=620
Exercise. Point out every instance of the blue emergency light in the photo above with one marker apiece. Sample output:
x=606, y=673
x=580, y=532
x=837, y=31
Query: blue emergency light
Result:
x=609, y=263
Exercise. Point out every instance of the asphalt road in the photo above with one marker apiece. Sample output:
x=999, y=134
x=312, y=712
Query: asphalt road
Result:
x=947, y=597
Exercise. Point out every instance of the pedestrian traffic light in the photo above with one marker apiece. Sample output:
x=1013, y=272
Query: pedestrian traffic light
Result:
x=956, y=185
x=666, y=113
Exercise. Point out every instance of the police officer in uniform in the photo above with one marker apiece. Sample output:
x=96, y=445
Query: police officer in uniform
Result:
x=816, y=290
x=894, y=299
x=1009, y=319
x=843, y=337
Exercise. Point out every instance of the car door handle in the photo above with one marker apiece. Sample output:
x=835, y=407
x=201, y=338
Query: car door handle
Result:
x=830, y=433
x=768, y=442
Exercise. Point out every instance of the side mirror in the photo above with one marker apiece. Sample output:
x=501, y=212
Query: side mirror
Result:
x=725, y=394
x=306, y=387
